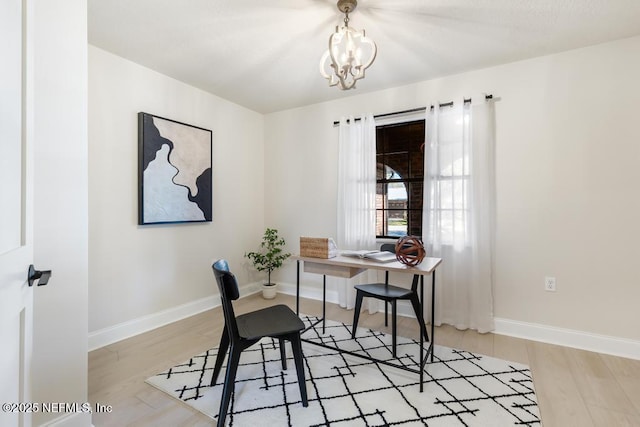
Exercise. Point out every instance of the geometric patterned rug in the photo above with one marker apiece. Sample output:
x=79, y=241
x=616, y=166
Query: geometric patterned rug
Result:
x=460, y=388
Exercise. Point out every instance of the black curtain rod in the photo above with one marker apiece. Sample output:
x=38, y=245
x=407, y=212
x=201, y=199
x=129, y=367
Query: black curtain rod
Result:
x=466, y=101
x=415, y=110
x=395, y=113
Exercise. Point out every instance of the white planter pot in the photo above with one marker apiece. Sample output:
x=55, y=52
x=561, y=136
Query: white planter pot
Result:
x=269, y=291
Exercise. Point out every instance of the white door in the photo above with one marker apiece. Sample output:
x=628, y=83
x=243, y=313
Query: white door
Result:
x=16, y=230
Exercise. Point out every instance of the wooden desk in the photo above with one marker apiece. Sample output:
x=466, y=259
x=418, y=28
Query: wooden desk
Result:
x=348, y=267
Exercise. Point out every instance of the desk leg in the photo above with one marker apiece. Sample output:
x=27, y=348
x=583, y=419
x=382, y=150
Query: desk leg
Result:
x=433, y=305
x=298, y=287
x=420, y=365
x=324, y=299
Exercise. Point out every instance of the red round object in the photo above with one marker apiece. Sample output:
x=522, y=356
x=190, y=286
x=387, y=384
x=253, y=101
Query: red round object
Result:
x=410, y=250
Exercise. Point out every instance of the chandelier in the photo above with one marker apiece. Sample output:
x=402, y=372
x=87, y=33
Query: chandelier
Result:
x=350, y=52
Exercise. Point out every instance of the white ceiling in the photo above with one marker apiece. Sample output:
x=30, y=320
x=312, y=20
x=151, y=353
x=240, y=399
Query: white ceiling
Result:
x=264, y=54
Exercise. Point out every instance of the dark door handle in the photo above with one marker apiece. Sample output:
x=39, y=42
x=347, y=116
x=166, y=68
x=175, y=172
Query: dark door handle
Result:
x=42, y=276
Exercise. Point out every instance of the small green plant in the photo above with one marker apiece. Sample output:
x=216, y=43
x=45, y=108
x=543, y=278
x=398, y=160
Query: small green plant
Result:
x=272, y=255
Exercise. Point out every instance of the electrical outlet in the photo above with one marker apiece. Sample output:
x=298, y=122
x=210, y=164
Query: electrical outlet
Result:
x=550, y=284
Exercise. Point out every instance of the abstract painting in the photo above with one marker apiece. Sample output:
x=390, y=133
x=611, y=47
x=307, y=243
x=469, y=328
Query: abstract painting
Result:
x=174, y=173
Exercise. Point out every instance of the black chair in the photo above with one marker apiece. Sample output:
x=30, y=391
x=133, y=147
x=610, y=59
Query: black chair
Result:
x=243, y=331
x=389, y=294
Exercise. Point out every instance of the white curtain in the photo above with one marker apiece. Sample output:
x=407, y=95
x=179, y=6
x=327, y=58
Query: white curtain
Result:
x=356, y=210
x=459, y=211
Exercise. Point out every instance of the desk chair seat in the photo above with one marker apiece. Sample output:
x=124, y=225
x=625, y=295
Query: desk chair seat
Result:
x=268, y=322
x=389, y=294
x=384, y=291
x=241, y=332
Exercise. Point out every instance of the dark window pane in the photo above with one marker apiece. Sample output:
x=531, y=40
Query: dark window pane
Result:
x=416, y=166
x=400, y=174
x=398, y=145
x=415, y=223
x=399, y=163
x=415, y=195
x=381, y=195
x=380, y=168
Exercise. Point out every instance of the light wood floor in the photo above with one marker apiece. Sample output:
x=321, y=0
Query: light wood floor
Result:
x=574, y=387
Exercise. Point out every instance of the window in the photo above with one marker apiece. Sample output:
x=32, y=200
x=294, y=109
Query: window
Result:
x=400, y=178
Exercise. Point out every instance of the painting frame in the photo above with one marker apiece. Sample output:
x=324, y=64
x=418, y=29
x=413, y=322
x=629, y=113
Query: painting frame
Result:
x=175, y=169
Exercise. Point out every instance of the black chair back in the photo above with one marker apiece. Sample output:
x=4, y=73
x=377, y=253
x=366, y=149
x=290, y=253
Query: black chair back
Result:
x=391, y=247
x=226, y=280
x=228, y=287
x=388, y=247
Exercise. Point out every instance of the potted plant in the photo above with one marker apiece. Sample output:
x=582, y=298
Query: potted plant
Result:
x=269, y=259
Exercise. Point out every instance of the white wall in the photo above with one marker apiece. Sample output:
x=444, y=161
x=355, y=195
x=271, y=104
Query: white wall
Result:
x=60, y=202
x=568, y=150
x=139, y=271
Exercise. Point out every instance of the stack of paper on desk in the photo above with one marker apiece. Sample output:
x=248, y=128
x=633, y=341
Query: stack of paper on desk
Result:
x=380, y=256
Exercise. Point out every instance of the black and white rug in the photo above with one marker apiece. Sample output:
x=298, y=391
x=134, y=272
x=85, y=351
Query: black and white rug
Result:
x=460, y=389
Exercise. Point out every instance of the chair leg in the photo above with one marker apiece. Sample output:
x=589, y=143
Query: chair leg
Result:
x=299, y=359
x=417, y=309
x=394, y=311
x=222, y=352
x=229, y=383
x=283, y=354
x=386, y=313
x=356, y=313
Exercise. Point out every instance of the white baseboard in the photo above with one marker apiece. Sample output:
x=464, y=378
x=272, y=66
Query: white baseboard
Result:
x=128, y=329
x=78, y=419
x=568, y=338
x=530, y=331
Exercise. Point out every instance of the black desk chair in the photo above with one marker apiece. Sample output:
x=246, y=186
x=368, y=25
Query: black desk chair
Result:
x=243, y=331
x=389, y=294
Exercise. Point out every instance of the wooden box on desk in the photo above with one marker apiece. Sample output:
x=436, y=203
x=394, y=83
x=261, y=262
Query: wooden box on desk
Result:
x=318, y=247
